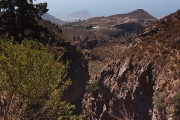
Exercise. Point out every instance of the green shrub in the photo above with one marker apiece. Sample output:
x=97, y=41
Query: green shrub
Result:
x=29, y=79
x=158, y=101
x=81, y=55
x=176, y=102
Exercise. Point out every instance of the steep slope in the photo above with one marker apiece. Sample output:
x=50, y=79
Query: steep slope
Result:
x=51, y=18
x=144, y=83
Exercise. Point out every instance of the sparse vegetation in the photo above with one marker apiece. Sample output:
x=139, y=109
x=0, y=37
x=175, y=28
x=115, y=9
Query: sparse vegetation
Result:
x=93, y=85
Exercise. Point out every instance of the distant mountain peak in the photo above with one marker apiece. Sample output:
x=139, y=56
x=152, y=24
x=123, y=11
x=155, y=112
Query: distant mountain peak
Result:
x=83, y=13
x=140, y=14
x=137, y=14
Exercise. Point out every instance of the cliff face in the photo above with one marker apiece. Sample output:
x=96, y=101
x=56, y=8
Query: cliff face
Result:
x=126, y=91
x=144, y=83
x=128, y=88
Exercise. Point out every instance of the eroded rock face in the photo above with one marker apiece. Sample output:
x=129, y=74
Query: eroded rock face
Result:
x=126, y=91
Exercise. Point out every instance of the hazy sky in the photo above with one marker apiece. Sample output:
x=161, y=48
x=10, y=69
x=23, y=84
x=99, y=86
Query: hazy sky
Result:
x=157, y=8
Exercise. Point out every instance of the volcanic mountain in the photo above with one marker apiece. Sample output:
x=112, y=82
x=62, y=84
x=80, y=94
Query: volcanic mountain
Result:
x=81, y=14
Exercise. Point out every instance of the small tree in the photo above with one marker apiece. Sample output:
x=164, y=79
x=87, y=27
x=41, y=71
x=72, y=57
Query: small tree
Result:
x=74, y=37
x=176, y=102
x=158, y=101
x=78, y=38
x=29, y=79
x=87, y=38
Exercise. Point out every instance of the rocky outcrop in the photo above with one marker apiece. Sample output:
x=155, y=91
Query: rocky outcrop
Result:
x=126, y=91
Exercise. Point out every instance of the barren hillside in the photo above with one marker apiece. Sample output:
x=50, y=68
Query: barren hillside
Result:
x=144, y=82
